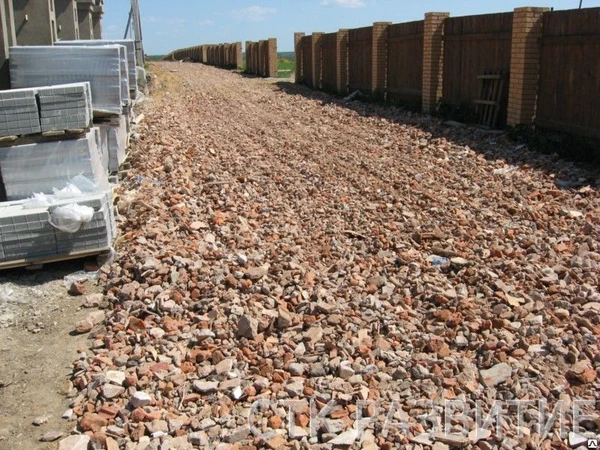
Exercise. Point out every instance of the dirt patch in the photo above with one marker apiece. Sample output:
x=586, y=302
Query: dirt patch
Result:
x=36, y=353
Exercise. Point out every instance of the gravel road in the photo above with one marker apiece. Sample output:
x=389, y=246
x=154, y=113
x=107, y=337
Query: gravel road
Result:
x=396, y=277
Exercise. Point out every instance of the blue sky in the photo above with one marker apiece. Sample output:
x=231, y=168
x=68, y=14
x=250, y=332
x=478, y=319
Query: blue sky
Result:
x=168, y=25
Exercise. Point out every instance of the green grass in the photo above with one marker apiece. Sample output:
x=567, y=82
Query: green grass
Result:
x=286, y=55
x=285, y=67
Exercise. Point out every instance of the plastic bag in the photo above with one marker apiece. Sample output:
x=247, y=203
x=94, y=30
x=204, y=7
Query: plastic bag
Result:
x=70, y=218
x=80, y=277
x=7, y=295
x=439, y=260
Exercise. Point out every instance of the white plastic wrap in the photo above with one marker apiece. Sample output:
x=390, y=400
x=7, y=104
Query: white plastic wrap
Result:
x=78, y=187
x=45, y=166
x=141, y=76
x=129, y=44
x=69, y=191
x=114, y=138
x=38, y=200
x=33, y=66
x=123, y=57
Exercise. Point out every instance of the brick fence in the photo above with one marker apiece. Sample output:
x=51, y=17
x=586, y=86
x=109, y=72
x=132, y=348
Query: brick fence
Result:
x=546, y=61
x=228, y=56
x=261, y=58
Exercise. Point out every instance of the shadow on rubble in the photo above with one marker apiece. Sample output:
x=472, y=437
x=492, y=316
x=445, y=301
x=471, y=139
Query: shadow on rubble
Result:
x=492, y=145
x=36, y=276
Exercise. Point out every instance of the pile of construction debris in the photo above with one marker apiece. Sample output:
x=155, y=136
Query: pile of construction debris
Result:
x=309, y=274
x=64, y=129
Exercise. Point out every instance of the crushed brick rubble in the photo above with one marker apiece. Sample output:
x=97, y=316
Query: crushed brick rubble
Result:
x=281, y=245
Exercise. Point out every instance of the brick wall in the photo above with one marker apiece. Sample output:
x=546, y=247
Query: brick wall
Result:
x=228, y=56
x=451, y=55
x=261, y=57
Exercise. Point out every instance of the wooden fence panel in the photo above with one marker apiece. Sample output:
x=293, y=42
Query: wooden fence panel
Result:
x=255, y=58
x=569, y=84
x=307, y=69
x=329, y=62
x=360, y=59
x=474, y=45
x=264, y=58
x=405, y=62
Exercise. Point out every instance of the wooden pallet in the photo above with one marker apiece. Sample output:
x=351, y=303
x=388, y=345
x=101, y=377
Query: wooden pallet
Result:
x=490, y=99
x=49, y=136
x=52, y=259
x=125, y=166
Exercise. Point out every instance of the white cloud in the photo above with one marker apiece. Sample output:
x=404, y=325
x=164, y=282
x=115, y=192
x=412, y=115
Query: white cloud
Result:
x=206, y=23
x=253, y=13
x=344, y=3
x=153, y=19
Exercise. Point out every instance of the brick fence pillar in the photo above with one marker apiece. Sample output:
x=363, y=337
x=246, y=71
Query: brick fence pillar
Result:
x=317, y=59
x=248, y=56
x=525, y=65
x=272, y=57
x=433, y=59
x=379, y=64
x=298, y=56
x=262, y=58
x=256, y=53
x=239, y=59
x=342, y=61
